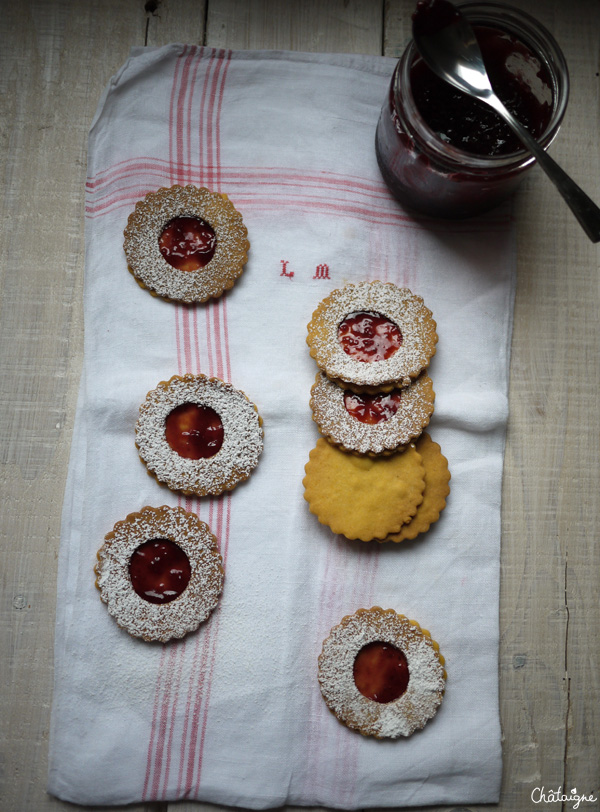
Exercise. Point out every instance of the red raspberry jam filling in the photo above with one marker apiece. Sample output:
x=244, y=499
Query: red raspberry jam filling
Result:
x=187, y=243
x=372, y=409
x=381, y=672
x=369, y=336
x=159, y=570
x=194, y=432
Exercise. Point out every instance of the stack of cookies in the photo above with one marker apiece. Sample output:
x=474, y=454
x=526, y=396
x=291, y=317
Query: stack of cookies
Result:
x=375, y=474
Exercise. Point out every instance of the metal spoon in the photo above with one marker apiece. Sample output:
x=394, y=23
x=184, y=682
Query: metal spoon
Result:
x=448, y=45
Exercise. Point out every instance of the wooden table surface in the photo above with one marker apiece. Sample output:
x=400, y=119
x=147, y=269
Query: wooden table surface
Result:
x=56, y=58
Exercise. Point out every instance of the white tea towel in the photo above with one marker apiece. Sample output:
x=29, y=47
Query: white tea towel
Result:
x=233, y=713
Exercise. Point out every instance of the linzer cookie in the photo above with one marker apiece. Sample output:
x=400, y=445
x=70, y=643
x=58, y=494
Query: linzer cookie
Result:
x=363, y=497
x=199, y=435
x=186, y=243
x=381, y=674
x=437, y=488
x=372, y=336
x=160, y=573
x=371, y=423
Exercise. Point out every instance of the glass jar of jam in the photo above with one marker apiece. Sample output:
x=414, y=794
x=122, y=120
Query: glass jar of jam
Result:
x=445, y=154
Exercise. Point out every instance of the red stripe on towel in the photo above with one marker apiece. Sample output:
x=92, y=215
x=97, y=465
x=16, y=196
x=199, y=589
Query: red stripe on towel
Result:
x=180, y=720
x=219, y=360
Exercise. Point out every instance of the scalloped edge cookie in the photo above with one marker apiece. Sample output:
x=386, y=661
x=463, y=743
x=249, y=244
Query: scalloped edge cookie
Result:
x=394, y=434
x=437, y=489
x=242, y=442
x=363, y=497
x=146, y=224
x=175, y=619
x=400, y=305
x=427, y=681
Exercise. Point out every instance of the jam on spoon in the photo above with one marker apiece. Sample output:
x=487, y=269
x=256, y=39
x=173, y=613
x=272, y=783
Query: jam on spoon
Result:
x=452, y=51
x=518, y=76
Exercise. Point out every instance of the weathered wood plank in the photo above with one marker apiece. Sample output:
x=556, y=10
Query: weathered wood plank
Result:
x=550, y=610
x=175, y=21
x=397, y=23
x=350, y=26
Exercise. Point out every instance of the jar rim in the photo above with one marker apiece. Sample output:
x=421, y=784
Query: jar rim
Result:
x=542, y=43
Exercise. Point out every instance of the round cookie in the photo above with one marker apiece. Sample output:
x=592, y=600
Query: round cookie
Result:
x=165, y=594
x=363, y=497
x=199, y=435
x=437, y=488
x=150, y=255
x=371, y=424
x=372, y=335
x=381, y=674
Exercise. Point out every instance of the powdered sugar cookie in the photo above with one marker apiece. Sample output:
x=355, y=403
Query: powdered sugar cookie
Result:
x=199, y=435
x=372, y=335
x=186, y=243
x=371, y=424
x=160, y=573
x=437, y=488
x=381, y=674
x=363, y=497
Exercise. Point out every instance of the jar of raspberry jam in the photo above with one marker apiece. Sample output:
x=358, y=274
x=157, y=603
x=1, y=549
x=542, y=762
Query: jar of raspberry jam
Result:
x=445, y=154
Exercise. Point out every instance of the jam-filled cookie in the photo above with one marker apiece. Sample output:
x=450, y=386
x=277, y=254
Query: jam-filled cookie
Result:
x=372, y=424
x=186, y=243
x=160, y=573
x=381, y=674
x=199, y=435
x=372, y=336
x=363, y=497
x=437, y=488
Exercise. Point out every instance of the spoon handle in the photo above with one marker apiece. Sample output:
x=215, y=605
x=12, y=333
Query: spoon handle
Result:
x=584, y=209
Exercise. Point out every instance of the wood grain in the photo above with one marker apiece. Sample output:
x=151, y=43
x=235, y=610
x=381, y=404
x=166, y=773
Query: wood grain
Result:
x=56, y=59
x=350, y=26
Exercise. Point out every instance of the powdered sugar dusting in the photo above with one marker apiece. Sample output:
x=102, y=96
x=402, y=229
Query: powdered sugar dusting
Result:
x=424, y=693
x=338, y=425
x=146, y=224
x=178, y=617
x=401, y=306
x=242, y=441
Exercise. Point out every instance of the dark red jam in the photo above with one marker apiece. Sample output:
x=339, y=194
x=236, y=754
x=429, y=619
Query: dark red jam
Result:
x=519, y=79
x=381, y=672
x=194, y=432
x=159, y=570
x=369, y=337
x=372, y=409
x=188, y=243
x=446, y=155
